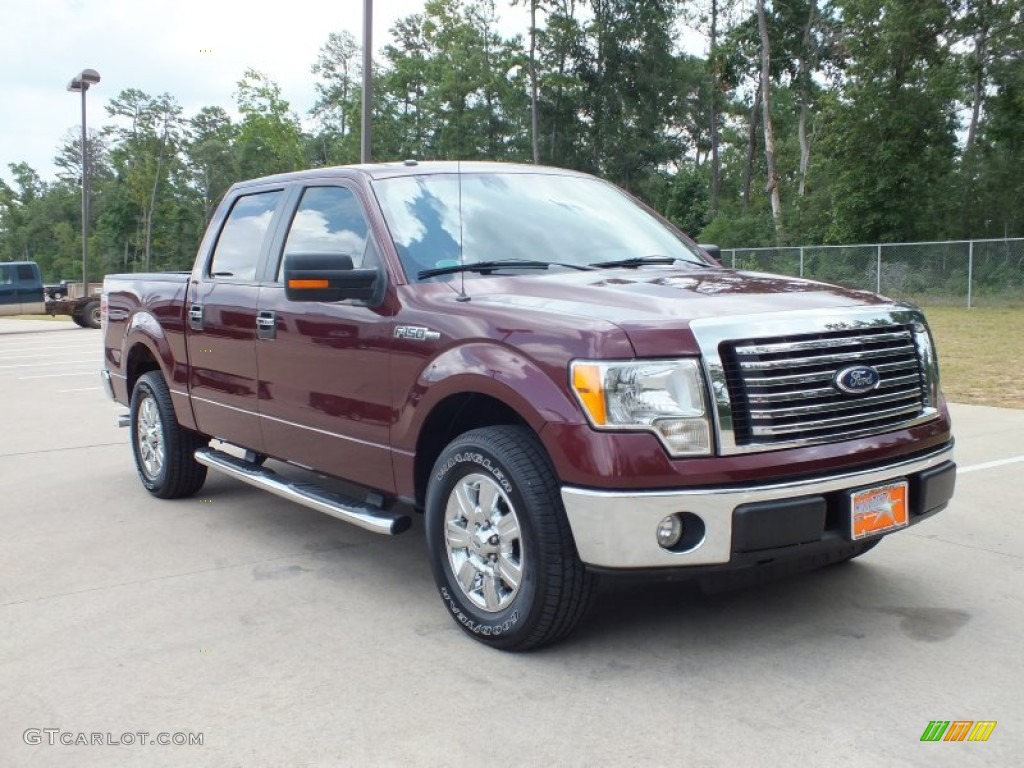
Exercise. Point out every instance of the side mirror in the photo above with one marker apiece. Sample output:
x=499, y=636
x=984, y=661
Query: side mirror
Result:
x=713, y=251
x=327, y=277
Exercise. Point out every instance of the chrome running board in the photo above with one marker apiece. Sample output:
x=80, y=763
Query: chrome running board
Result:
x=334, y=504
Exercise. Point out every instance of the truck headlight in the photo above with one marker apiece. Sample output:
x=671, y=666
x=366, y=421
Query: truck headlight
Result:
x=663, y=396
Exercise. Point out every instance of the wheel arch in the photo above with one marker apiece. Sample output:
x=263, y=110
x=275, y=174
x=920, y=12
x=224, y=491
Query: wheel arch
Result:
x=479, y=384
x=148, y=347
x=140, y=360
x=455, y=415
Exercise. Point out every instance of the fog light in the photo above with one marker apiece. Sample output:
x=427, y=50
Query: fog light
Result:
x=670, y=531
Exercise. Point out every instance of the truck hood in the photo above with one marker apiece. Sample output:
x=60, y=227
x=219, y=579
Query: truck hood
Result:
x=655, y=305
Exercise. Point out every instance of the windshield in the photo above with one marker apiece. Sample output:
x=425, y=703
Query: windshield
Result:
x=572, y=219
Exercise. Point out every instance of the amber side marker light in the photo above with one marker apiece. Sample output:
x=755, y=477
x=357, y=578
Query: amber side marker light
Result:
x=308, y=284
x=586, y=380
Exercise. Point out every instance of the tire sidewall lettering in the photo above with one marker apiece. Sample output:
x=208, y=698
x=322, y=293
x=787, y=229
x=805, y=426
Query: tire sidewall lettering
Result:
x=478, y=627
x=484, y=462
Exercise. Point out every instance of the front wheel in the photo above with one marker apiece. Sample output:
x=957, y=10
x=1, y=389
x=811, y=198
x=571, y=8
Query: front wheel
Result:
x=164, y=451
x=500, y=545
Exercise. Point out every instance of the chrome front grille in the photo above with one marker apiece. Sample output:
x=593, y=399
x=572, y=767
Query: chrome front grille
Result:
x=782, y=389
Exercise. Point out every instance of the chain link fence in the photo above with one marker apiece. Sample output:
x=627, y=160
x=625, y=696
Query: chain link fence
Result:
x=971, y=273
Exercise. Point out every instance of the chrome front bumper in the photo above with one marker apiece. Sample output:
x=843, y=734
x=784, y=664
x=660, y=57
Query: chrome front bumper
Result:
x=617, y=529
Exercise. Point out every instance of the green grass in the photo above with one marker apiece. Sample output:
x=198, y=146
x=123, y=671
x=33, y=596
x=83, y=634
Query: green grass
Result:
x=980, y=354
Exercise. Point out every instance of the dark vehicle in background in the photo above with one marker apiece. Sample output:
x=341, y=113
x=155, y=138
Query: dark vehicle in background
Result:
x=561, y=382
x=22, y=293
x=58, y=291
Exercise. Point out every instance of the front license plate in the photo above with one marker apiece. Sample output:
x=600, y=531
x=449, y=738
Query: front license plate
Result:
x=878, y=510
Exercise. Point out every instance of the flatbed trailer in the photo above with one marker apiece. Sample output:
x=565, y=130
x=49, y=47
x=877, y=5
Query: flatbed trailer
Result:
x=22, y=293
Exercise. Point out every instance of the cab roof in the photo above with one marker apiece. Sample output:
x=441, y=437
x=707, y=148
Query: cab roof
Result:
x=374, y=171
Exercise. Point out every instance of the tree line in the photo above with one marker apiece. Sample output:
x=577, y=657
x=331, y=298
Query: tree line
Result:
x=808, y=121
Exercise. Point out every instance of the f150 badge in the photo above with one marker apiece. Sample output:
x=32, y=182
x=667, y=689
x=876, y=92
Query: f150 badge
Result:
x=415, y=333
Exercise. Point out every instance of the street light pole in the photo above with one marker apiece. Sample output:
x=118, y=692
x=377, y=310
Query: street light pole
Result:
x=367, y=128
x=81, y=83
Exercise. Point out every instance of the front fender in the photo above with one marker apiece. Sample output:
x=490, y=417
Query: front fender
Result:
x=488, y=369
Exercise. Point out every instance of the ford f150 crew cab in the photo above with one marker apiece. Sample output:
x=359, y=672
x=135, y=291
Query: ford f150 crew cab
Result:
x=561, y=382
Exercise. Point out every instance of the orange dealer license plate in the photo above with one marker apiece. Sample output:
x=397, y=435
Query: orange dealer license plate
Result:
x=878, y=510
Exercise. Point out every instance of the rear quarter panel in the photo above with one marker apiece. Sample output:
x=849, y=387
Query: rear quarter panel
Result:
x=146, y=314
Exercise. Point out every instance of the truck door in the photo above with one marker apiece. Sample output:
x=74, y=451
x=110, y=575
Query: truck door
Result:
x=324, y=373
x=9, y=302
x=30, y=289
x=220, y=313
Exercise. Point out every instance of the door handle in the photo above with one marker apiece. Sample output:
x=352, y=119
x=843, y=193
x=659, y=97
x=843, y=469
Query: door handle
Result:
x=195, y=317
x=266, y=324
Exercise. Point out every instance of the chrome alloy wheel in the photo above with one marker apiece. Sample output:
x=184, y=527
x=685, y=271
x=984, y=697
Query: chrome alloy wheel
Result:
x=151, y=437
x=484, y=543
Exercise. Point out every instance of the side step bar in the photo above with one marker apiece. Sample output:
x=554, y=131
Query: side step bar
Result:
x=334, y=504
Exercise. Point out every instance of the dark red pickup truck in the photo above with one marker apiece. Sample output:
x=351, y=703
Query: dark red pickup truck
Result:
x=560, y=381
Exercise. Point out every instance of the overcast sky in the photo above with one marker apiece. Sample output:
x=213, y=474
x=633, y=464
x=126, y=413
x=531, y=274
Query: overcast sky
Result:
x=160, y=46
x=155, y=45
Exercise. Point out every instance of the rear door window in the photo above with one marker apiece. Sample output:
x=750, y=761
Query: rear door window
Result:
x=26, y=274
x=238, y=249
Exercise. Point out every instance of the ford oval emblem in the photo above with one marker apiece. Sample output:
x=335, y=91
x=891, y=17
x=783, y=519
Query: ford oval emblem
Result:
x=857, y=379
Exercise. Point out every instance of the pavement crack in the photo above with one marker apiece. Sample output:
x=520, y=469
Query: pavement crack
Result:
x=64, y=448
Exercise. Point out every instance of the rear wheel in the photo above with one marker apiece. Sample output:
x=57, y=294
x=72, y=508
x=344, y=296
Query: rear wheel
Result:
x=163, y=450
x=91, y=315
x=500, y=545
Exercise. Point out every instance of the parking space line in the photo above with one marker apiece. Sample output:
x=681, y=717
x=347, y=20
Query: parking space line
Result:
x=79, y=389
x=40, y=365
x=95, y=372
x=45, y=353
x=40, y=349
x=22, y=346
x=990, y=465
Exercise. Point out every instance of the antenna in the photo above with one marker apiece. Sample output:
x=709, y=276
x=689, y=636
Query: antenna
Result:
x=462, y=256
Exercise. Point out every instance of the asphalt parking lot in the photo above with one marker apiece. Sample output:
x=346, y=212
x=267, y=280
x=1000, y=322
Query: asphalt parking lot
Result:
x=288, y=638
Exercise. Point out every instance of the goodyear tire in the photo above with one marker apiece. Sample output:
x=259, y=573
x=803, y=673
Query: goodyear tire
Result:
x=500, y=546
x=164, y=452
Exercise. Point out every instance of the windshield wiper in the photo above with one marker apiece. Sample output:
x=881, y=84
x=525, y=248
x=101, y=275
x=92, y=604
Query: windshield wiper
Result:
x=641, y=261
x=490, y=266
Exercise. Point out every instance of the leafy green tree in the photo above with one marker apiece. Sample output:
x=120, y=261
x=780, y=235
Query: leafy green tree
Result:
x=455, y=87
x=210, y=160
x=338, y=103
x=269, y=137
x=891, y=137
x=148, y=138
x=631, y=90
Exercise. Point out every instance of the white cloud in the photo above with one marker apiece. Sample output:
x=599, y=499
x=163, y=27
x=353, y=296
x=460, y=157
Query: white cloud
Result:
x=155, y=45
